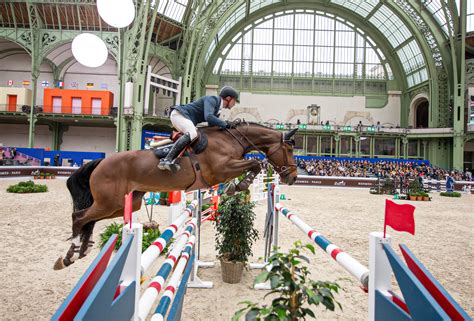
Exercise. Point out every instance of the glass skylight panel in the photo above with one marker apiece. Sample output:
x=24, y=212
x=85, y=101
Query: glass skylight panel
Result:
x=262, y=52
x=470, y=16
x=304, y=21
x=371, y=56
x=411, y=57
x=390, y=25
x=324, y=38
x=258, y=4
x=435, y=7
x=324, y=54
x=283, y=37
x=230, y=66
x=345, y=39
x=173, y=9
x=304, y=37
x=283, y=53
x=344, y=55
x=303, y=53
x=263, y=36
x=236, y=52
x=282, y=68
x=363, y=8
x=303, y=69
x=284, y=22
x=306, y=44
x=324, y=23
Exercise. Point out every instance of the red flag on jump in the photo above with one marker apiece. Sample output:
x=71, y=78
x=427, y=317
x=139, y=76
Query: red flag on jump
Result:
x=399, y=217
x=127, y=212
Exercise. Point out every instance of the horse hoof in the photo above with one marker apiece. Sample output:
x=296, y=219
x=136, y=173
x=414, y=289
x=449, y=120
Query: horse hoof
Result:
x=59, y=264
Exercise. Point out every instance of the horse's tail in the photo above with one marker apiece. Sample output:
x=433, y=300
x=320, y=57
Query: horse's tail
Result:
x=78, y=186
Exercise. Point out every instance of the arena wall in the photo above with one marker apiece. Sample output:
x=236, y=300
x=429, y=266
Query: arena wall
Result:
x=336, y=110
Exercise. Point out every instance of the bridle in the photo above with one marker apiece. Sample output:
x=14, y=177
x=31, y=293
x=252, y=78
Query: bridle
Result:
x=281, y=170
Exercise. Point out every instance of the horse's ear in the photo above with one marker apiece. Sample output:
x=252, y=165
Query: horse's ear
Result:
x=290, y=134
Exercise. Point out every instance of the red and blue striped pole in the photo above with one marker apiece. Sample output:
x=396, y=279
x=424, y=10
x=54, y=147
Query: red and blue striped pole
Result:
x=351, y=265
x=155, y=248
x=173, y=284
x=156, y=284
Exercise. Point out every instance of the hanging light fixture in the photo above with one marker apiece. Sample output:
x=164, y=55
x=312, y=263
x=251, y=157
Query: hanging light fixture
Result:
x=89, y=50
x=116, y=13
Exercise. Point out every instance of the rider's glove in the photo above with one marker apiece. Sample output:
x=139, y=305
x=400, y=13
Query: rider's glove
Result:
x=230, y=124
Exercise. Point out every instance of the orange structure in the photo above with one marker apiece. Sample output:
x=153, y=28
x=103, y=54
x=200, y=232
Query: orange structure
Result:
x=72, y=101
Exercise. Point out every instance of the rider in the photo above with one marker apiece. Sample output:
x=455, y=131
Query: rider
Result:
x=206, y=109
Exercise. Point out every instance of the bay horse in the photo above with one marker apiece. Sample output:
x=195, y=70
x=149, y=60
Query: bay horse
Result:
x=98, y=187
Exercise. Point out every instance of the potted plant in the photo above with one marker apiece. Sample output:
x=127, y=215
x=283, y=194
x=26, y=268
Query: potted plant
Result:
x=414, y=189
x=235, y=234
x=296, y=293
x=426, y=196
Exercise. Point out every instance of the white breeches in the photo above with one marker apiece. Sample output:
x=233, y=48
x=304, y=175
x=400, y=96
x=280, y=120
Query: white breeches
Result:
x=183, y=124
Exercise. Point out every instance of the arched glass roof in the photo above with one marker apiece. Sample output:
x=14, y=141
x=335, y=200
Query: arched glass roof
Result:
x=380, y=16
x=303, y=43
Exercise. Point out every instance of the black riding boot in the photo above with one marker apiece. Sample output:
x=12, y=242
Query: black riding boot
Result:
x=168, y=161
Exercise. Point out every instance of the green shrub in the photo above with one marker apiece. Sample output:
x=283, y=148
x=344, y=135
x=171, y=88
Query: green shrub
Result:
x=414, y=187
x=235, y=232
x=27, y=187
x=149, y=236
x=450, y=194
x=296, y=292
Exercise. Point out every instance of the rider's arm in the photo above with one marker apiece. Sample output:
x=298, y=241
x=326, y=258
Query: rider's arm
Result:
x=209, y=108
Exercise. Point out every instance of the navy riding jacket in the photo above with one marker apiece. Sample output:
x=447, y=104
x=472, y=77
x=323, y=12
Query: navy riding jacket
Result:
x=205, y=109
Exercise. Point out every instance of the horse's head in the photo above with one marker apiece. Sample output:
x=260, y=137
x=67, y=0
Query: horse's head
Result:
x=280, y=156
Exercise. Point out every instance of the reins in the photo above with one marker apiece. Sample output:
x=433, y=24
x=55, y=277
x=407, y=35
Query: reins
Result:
x=281, y=170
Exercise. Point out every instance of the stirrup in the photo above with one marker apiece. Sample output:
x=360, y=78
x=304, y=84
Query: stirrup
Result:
x=170, y=166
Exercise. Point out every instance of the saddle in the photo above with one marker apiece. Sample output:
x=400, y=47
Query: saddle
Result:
x=162, y=148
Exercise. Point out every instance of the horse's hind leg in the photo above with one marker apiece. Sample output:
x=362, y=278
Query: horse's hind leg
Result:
x=83, y=222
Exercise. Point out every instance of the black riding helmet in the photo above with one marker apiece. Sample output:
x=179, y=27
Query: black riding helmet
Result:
x=229, y=91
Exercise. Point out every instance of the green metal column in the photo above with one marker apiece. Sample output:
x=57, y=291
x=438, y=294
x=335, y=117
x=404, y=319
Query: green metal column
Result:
x=357, y=142
x=32, y=118
x=337, y=139
x=35, y=30
x=424, y=143
x=459, y=81
x=405, y=148
x=58, y=130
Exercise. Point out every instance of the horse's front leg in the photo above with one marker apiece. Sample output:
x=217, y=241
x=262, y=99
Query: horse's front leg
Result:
x=252, y=167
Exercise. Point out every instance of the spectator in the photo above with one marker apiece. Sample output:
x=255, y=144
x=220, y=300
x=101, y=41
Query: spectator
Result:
x=12, y=153
x=378, y=126
x=56, y=160
x=382, y=169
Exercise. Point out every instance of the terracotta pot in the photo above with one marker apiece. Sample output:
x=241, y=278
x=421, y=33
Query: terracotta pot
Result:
x=412, y=198
x=426, y=198
x=419, y=198
x=231, y=271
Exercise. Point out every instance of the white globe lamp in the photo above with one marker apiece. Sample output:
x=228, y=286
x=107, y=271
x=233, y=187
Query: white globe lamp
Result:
x=89, y=50
x=117, y=13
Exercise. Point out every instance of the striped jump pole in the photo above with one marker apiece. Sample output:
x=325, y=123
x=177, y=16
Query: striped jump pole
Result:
x=156, y=284
x=345, y=260
x=155, y=249
x=173, y=284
